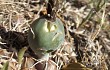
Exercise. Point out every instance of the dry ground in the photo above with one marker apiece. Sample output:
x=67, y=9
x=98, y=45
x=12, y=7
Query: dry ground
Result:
x=87, y=40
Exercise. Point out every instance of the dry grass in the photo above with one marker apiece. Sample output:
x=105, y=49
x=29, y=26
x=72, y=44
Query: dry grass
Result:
x=87, y=27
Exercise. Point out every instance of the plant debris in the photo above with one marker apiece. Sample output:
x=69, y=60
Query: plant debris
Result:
x=87, y=30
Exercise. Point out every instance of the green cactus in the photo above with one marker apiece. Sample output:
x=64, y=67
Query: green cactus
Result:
x=45, y=36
